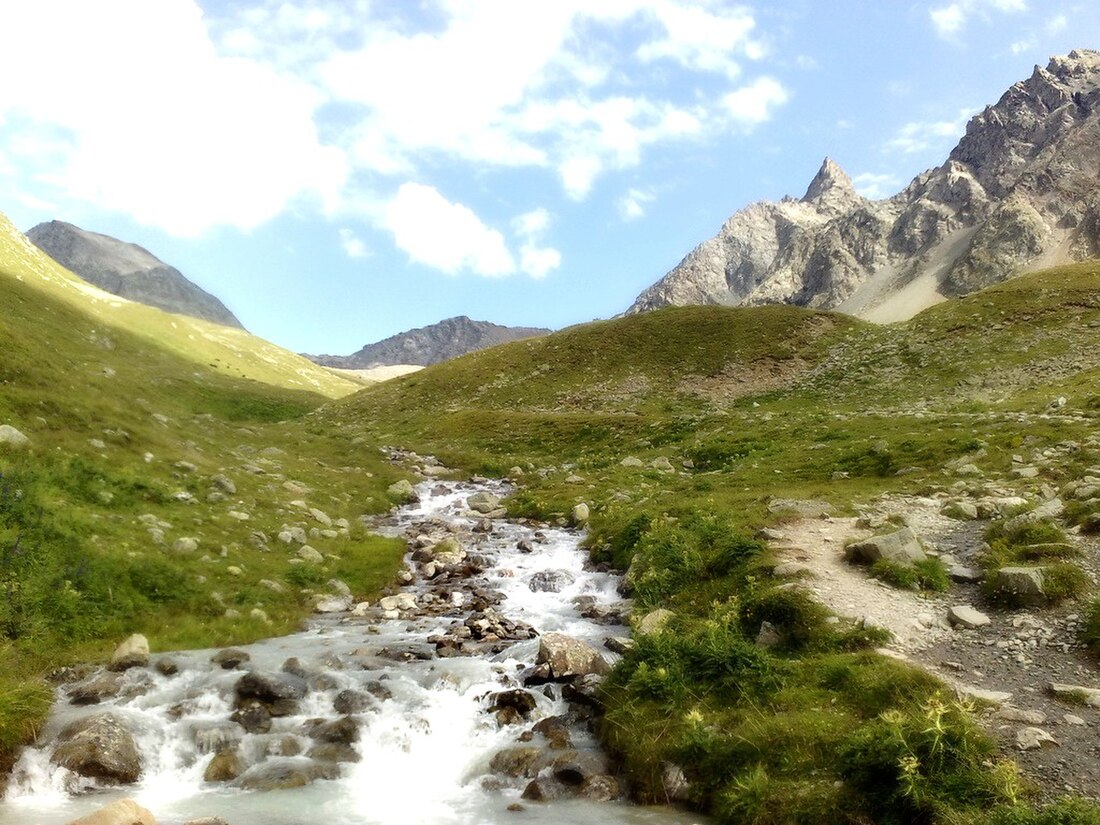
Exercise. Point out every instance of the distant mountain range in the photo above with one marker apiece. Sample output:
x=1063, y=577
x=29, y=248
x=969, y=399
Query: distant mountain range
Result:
x=1019, y=192
x=128, y=270
x=429, y=345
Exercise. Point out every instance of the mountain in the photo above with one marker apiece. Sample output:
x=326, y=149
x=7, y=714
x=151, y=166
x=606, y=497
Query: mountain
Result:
x=1019, y=192
x=230, y=351
x=127, y=270
x=428, y=345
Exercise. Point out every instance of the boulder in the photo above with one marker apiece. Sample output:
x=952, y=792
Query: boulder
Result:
x=96, y=688
x=402, y=491
x=134, y=652
x=333, y=752
x=448, y=551
x=1075, y=693
x=900, y=547
x=333, y=604
x=964, y=615
x=310, y=555
x=270, y=688
x=252, y=715
x=483, y=502
x=122, y=812
x=1033, y=739
x=568, y=657
x=281, y=776
x=574, y=768
x=580, y=514
x=550, y=581
x=230, y=658
x=226, y=766
x=1023, y=584
x=519, y=700
x=517, y=761
x=342, y=731
x=99, y=747
x=11, y=438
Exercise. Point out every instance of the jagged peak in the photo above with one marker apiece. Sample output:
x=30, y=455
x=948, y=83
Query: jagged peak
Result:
x=829, y=178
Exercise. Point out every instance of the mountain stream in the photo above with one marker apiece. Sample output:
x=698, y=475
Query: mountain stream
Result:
x=391, y=718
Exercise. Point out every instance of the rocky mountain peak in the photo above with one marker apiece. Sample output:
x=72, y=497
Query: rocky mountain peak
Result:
x=1018, y=192
x=127, y=270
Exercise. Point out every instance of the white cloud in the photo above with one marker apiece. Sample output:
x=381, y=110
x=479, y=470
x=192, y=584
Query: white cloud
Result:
x=535, y=260
x=155, y=124
x=1021, y=46
x=353, y=245
x=920, y=135
x=443, y=235
x=1057, y=24
x=632, y=205
x=698, y=38
x=876, y=186
x=753, y=104
x=950, y=20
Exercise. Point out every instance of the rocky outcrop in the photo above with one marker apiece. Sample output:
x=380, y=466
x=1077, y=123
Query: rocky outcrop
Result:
x=428, y=345
x=127, y=270
x=1017, y=193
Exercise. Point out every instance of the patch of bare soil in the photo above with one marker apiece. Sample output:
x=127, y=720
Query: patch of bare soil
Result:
x=1012, y=660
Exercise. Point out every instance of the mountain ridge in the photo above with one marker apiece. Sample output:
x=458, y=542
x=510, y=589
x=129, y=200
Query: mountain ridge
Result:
x=128, y=270
x=1017, y=193
x=424, y=346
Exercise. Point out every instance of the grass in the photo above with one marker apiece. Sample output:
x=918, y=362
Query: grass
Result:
x=927, y=575
x=747, y=406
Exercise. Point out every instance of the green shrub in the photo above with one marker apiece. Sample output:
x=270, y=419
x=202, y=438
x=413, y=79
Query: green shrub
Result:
x=1062, y=812
x=927, y=574
x=797, y=617
x=916, y=765
x=1090, y=628
x=1064, y=581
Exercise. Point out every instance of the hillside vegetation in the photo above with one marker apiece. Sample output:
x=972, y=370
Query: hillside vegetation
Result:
x=230, y=351
x=159, y=495
x=687, y=431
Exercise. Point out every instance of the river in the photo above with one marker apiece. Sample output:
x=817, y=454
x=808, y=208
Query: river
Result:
x=426, y=737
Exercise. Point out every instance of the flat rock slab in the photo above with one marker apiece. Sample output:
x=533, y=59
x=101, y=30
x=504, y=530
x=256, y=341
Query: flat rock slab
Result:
x=1076, y=693
x=900, y=547
x=964, y=615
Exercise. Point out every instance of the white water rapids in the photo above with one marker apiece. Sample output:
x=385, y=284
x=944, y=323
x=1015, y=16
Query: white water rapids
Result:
x=424, y=749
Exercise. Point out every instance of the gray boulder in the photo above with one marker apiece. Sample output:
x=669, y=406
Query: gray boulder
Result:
x=1023, y=584
x=99, y=747
x=568, y=657
x=900, y=547
x=134, y=652
x=281, y=776
x=483, y=502
x=550, y=581
x=120, y=812
x=12, y=438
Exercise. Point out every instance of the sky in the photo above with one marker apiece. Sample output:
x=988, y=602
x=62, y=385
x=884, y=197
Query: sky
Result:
x=337, y=171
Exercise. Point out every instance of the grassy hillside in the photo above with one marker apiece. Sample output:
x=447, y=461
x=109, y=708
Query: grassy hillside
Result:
x=151, y=495
x=230, y=351
x=721, y=414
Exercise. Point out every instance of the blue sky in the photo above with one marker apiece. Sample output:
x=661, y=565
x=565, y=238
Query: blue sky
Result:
x=340, y=170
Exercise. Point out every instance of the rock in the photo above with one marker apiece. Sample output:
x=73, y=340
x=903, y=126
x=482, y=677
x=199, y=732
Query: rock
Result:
x=11, y=438
x=252, y=715
x=768, y=636
x=1024, y=584
x=965, y=575
x=99, y=747
x=962, y=510
x=516, y=761
x=654, y=621
x=992, y=697
x=226, y=766
x=320, y=516
x=789, y=569
x=900, y=547
x=966, y=616
x=230, y=658
x=618, y=644
x=543, y=790
x=574, y=768
x=185, y=544
x=448, y=551
x=134, y=652
x=350, y=701
x=224, y=483
x=675, y=783
x=333, y=752
x=1075, y=693
x=310, y=555
x=519, y=700
x=96, y=688
x=580, y=514
x=122, y=812
x=282, y=776
x=600, y=788
x=806, y=508
x=568, y=657
x=270, y=688
x=550, y=581
x=217, y=738
x=1013, y=714
x=342, y=731
x=662, y=465
x=333, y=604
x=631, y=461
x=1031, y=739
x=402, y=491
x=483, y=502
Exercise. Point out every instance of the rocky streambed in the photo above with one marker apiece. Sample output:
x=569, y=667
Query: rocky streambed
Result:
x=466, y=697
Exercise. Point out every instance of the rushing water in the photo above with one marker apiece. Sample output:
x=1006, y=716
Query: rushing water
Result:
x=424, y=748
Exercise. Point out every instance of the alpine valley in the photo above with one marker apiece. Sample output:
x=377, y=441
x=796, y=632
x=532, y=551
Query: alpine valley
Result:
x=745, y=554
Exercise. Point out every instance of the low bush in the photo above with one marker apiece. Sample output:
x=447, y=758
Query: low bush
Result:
x=928, y=575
